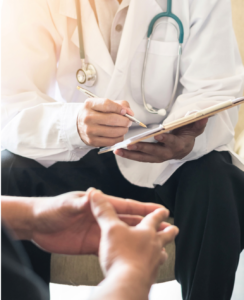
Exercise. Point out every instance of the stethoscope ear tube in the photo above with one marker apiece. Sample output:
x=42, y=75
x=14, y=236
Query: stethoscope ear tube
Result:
x=80, y=31
x=168, y=14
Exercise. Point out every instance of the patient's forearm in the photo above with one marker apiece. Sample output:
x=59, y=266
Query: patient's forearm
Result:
x=17, y=215
x=123, y=283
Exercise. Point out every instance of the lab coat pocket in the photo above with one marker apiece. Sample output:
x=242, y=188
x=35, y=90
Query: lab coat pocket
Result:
x=159, y=74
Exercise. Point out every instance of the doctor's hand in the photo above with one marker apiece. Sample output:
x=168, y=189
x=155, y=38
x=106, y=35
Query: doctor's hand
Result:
x=101, y=122
x=137, y=251
x=175, y=145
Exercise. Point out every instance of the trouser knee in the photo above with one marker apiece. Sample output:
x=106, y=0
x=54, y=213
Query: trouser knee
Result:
x=17, y=174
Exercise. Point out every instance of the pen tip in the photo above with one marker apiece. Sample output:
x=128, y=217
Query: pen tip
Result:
x=143, y=125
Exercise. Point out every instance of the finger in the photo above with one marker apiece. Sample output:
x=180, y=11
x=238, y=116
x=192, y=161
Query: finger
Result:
x=160, y=152
x=168, y=139
x=163, y=257
x=142, y=147
x=130, y=220
x=103, y=141
x=126, y=104
x=173, y=145
x=102, y=210
x=110, y=119
x=154, y=219
x=163, y=225
x=172, y=139
x=106, y=131
x=72, y=195
x=168, y=234
x=73, y=202
x=135, y=155
x=200, y=125
x=106, y=106
x=132, y=207
x=193, y=129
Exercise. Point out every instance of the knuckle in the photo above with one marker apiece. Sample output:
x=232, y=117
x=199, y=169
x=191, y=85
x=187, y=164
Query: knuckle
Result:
x=181, y=147
x=128, y=123
x=89, y=130
x=90, y=141
x=140, y=146
x=107, y=104
x=169, y=155
x=87, y=119
x=113, y=229
x=85, y=129
x=125, y=103
x=87, y=103
x=201, y=131
x=101, y=209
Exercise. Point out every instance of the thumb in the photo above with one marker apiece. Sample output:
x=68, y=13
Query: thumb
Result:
x=102, y=210
x=194, y=129
x=200, y=125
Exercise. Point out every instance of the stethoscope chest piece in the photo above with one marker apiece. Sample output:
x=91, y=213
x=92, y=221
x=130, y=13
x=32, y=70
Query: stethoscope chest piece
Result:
x=87, y=74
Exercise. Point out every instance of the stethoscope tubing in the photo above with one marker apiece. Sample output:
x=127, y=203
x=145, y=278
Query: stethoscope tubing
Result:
x=80, y=31
x=90, y=73
x=151, y=28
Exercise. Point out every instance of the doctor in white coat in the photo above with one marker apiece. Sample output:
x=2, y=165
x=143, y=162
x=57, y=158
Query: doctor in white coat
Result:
x=51, y=132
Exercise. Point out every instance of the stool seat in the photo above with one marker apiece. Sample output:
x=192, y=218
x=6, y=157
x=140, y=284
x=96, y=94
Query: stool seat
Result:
x=85, y=269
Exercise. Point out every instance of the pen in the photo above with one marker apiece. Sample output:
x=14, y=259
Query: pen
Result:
x=91, y=95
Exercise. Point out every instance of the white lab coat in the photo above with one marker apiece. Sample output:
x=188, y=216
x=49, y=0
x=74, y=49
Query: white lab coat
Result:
x=40, y=53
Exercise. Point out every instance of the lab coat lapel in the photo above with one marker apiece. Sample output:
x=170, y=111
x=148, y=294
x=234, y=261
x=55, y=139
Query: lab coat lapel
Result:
x=95, y=48
x=140, y=14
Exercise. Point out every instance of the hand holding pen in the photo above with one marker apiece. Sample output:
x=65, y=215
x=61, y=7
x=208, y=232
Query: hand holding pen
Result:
x=91, y=95
x=102, y=122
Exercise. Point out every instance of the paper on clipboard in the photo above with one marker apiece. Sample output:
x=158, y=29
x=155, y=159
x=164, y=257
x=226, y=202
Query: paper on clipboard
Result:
x=130, y=140
x=166, y=127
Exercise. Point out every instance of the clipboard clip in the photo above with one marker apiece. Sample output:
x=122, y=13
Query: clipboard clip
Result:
x=237, y=100
x=191, y=112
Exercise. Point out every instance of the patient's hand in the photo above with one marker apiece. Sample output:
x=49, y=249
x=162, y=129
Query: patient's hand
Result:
x=65, y=224
x=135, y=251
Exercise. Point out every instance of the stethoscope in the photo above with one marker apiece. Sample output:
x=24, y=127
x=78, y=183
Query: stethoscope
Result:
x=87, y=74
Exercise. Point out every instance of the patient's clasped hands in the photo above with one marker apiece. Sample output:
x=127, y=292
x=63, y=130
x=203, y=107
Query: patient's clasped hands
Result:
x=92, y=222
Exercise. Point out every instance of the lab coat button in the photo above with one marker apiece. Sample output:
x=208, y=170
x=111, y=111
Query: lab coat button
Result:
x=118, y=27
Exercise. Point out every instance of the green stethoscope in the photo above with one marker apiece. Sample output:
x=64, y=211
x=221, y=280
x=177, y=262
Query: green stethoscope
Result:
x=87, y=74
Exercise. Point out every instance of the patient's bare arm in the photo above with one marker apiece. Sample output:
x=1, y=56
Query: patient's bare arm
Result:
x=130, y=256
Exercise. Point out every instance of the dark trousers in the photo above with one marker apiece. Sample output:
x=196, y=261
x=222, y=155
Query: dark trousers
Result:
x=205, y=197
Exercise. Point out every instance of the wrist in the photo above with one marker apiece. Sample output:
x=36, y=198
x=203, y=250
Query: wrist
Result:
x=124, y=282
x=17, y=215
x=132, y=275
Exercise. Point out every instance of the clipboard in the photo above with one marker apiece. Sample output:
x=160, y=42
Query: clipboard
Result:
x=188, y=119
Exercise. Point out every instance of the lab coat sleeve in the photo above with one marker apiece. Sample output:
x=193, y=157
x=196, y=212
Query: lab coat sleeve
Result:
x=211, y=71
x=34, y=124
